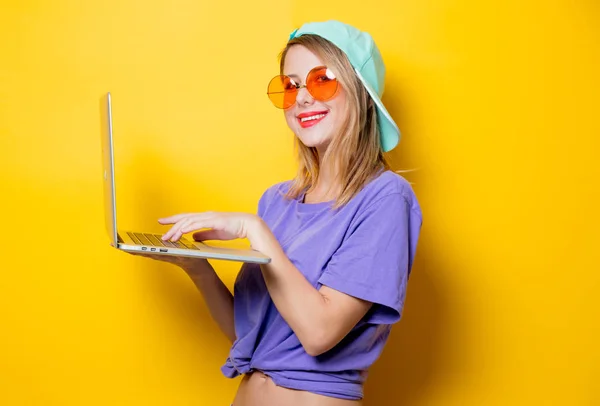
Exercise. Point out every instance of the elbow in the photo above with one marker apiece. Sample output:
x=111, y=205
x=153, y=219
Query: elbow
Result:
x=317, y=343
x=314, y=351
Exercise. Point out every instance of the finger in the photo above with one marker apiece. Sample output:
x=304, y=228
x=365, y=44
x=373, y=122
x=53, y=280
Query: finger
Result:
x=170, y=235
x=173, y=219
x=185, y=222
x=197, y=222
x=162, y=258
x=193, y=224
x=213, y=221
x=143, y=254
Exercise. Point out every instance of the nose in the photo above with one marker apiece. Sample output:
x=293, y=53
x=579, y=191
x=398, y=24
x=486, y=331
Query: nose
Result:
x=304, y=97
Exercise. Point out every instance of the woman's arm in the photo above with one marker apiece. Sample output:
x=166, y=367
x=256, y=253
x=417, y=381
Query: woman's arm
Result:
x=216, y=295
x=319, y=318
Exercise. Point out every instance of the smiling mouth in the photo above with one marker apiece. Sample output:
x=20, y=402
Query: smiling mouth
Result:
x=311, y=120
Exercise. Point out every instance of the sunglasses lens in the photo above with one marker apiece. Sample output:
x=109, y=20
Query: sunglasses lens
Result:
x=322, y=84
x=282, y=91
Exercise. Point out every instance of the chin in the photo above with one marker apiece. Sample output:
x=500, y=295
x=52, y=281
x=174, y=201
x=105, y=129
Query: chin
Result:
x=314, y=140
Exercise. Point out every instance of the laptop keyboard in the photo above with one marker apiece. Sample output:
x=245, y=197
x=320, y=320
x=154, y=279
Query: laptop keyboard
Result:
x=155, y=240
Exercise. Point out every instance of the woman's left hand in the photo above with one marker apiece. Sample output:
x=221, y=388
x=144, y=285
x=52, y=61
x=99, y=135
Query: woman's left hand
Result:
x=216, y=225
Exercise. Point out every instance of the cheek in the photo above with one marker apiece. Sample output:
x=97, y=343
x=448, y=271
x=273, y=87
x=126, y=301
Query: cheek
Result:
x=340, y=104
x=290, y=118
x=341, y=112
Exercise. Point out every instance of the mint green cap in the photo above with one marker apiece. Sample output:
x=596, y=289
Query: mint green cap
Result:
x=366, y=60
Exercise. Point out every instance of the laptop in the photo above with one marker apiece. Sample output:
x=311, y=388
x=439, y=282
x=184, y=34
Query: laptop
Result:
x=134, y=241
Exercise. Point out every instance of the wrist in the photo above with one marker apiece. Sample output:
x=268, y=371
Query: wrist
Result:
x=258, y=233
x=263, y=240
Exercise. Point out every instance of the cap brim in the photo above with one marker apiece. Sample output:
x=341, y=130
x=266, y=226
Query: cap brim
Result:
x=389, y=131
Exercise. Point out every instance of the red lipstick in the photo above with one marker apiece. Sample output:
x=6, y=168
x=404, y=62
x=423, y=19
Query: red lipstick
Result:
x=311, y=118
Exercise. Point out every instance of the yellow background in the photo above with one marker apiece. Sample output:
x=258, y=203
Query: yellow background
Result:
x=498, y=103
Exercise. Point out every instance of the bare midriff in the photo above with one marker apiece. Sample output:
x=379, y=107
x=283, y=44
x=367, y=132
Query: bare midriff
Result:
x=258, y=389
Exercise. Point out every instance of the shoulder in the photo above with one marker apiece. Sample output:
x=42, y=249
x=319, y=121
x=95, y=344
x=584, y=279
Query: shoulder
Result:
x=388, y=182
x=277, y=190
x=272, y=194
x=388, y=186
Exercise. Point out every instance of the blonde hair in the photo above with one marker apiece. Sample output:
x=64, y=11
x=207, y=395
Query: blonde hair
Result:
x=355, y=152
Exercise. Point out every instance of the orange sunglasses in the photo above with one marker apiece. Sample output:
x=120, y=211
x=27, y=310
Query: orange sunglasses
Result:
x=321, y=83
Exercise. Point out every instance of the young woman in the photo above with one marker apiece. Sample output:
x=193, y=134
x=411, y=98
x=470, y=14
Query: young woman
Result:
x=342, y=234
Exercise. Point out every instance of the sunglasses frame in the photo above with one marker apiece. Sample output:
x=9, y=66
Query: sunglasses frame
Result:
x=298, y=87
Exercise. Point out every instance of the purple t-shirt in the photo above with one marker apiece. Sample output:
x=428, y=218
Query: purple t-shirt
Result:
x=364, y=249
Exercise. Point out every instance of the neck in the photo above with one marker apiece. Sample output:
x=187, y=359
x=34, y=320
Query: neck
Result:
x=325, y=188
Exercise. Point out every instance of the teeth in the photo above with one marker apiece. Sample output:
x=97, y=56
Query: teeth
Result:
x=316, y=117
